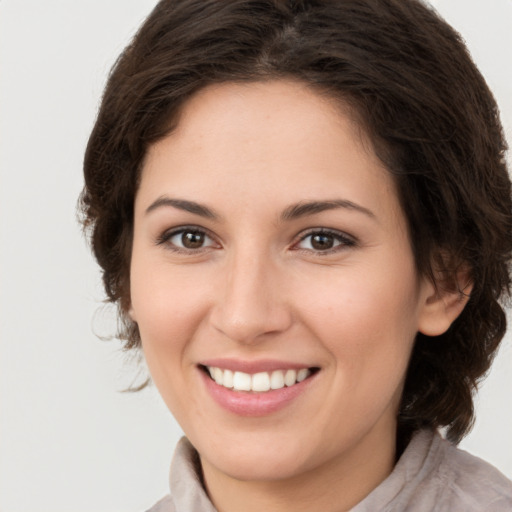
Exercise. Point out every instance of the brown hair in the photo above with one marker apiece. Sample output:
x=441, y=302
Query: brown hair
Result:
x=417, y=94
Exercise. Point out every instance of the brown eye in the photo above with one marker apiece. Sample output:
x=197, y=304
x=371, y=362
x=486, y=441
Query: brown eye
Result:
x=192, y=239
x=187, y=239
x=325, y=241
x=322, y=242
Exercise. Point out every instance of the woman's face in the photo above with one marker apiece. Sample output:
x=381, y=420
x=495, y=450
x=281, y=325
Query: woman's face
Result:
x=269, y=247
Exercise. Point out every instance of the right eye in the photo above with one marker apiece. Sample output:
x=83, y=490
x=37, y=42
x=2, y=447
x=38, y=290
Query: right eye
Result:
x=187, y=239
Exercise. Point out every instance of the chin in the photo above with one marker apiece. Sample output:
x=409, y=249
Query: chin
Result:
x=257, y=458
x=260, y=467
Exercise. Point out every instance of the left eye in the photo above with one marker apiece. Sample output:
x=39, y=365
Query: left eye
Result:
x=190, y=239
x=323, y=241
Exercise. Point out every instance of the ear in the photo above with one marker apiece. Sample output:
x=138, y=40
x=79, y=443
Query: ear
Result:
x=444, y=301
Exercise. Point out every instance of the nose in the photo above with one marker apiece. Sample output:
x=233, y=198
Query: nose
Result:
x=250, y=304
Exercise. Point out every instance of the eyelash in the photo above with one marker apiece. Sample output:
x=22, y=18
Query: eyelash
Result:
x=165, y=239
x=343, y=240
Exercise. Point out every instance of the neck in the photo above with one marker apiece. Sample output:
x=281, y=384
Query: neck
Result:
x=337, y=485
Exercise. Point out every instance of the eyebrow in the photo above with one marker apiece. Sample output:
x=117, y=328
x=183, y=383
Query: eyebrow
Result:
x=292, y=212
x=303, y=209
x=183, y=204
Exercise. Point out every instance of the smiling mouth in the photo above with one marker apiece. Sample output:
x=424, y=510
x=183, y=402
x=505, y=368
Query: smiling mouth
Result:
x=260, y=382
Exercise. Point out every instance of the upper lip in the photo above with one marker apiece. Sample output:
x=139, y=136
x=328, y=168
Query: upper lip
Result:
x=257, y=366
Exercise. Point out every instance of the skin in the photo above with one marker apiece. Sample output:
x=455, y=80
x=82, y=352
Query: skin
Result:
x=258, y=289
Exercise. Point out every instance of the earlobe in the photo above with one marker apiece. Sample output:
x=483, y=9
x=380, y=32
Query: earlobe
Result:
x=443, y=305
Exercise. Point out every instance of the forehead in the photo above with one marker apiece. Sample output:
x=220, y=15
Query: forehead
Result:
x=264, y=140
x=233, y=112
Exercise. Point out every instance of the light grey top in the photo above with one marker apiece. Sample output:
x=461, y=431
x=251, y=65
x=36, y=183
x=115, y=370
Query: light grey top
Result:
x=431, y=475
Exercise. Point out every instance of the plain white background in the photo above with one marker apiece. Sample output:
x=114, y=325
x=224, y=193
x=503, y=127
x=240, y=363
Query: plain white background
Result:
x=69, y=440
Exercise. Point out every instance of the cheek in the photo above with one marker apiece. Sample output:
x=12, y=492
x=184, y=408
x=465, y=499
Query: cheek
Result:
x=369, y=335
x=162, y=295
x=367, y=320
x=168, y=309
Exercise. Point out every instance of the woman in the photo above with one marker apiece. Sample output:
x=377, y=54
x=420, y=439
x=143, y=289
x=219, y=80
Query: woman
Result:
x=303, y=211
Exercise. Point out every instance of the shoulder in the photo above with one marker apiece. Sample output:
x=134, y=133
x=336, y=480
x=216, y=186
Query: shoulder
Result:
x=468, y=481
x=164, y=505
x=187, y=492
x=433, y=474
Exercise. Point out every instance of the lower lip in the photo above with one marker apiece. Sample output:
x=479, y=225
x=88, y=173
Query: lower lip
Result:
x=245, y=403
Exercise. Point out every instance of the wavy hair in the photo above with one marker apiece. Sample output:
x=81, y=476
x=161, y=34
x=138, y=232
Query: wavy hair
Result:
x=414, y=90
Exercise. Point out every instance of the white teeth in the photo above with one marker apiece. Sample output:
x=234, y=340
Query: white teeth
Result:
x=218, y=376
x=290, y=377
x=303, y=374
x=258, y=382
x=227, y=381
x=242, y=381
x=277, y=380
